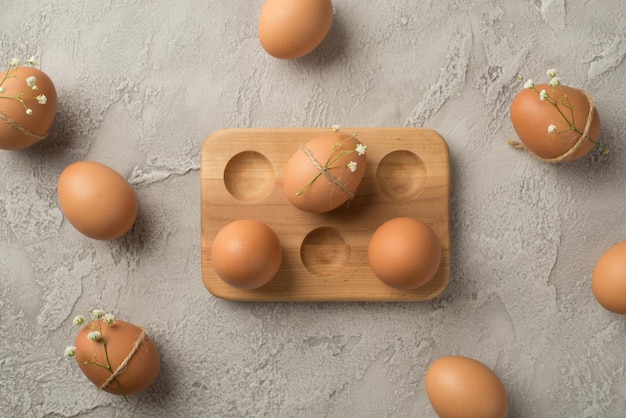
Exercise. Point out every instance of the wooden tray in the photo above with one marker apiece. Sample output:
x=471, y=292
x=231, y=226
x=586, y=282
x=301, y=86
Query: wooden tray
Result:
x=324, y=255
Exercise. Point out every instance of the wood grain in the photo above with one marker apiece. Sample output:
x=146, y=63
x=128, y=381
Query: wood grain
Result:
x=324, y=255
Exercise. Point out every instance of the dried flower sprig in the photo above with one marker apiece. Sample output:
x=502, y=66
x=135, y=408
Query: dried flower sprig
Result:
x=96, y=335
x=560, y=101
x=335, y=154
x=31, y=83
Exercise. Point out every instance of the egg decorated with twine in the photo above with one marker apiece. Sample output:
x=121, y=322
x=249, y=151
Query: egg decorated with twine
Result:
x=555, y=123
x=118, y=357
x=28, y=106
x=325, y=172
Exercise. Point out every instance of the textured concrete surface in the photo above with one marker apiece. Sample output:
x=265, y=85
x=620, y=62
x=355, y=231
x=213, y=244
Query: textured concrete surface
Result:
x=142, y=84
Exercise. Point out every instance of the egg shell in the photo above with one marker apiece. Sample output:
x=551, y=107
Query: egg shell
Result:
x=322, y=195
x=18, y=130
x=120, y=337
x=404, y=253
x=461, y=387
x=531, y=117
x=608, y=280
x=97, y=200
x=290, y=29
x=246, y=254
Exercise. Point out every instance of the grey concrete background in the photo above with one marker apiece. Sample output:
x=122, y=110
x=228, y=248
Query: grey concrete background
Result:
x=142, y=84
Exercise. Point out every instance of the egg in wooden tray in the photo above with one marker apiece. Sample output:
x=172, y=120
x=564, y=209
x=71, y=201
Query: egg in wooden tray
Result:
x=324, y=256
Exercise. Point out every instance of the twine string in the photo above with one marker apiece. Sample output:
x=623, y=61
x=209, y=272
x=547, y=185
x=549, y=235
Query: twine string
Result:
x=13, y=124
x=122, y=367
x=581, y=140
x=323, y=170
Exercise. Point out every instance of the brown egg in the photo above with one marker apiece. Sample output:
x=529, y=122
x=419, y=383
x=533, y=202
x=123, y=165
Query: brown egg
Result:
x=18, y=128
x=608, y=280
x=97, y=200
x=246, y=254
x=404, y=253
x=290, y=29
x=318, y=177
x=461, y=387
x=142, y=363
x=531, y=118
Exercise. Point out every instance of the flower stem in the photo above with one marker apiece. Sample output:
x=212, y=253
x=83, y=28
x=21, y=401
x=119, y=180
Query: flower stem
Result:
x=556, y=102
x=108, y=362
x=570, y=106
x=306, y=186
x=328, y=165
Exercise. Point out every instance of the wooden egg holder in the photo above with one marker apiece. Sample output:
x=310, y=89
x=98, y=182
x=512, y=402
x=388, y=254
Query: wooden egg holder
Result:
x=324, y=255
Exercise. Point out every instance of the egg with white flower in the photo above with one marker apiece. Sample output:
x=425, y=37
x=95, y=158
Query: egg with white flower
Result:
x=554, y=122
x=117, y=356
x=325, y=172
x=28, y=106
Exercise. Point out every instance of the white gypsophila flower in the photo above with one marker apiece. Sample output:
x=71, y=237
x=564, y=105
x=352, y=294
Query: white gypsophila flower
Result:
x=15, y=62
x=31, y=81
x=32, y=60
x=543, y=95
x=108, y=319
x=79, y=320
x=336, y=128
x=42, y=99
x=98, y=313
x=360, y=149
x=552, y=129
x=29, y=112
x=555, y=81
x=95, y=336
x=352, y=166
x=70, y=351
x=551, y=72
x=529, y=84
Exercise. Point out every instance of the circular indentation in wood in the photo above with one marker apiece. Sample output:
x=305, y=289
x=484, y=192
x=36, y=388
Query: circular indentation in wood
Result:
x=401, y=175
x=324, y=252
x=249, y=176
